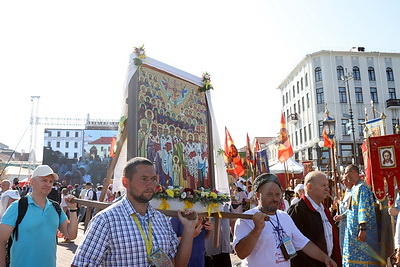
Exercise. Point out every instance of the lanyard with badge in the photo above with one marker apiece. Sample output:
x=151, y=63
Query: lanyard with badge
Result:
x=286, y=245
x=158, y=258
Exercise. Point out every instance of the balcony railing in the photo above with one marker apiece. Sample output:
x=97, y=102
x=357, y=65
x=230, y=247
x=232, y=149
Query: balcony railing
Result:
x=393, y=103
x=293, y=118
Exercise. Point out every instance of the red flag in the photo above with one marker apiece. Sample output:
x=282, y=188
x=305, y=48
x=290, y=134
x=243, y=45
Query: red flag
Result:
x=249, y=152
x=384, y=154
x=113, y=143
x=231, y=155
x=327, y=141
x=285, y=150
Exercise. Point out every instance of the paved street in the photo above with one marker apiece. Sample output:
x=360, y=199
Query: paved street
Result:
x=65, y=251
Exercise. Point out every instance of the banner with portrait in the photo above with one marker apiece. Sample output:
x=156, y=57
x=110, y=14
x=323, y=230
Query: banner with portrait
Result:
x=170, y=119
x=384, y=151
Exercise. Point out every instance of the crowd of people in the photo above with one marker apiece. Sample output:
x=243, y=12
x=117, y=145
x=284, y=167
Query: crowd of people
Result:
x=132, y=233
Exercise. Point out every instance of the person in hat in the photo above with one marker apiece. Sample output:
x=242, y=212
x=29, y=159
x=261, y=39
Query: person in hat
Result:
x=6, y=199
x=298, y=194
x=36, y=243
x=274, y=242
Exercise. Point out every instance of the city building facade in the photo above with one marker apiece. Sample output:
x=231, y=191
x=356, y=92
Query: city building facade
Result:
x=354, y=86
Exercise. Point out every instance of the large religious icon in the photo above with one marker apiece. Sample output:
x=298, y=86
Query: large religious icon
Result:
x=172, y=128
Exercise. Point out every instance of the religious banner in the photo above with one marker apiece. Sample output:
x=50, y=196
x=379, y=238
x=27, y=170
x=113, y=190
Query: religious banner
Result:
x=384, y=152
x=374, y=127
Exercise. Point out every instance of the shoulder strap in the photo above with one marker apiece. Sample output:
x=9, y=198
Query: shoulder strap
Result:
x=22, y=208
x=56, y=206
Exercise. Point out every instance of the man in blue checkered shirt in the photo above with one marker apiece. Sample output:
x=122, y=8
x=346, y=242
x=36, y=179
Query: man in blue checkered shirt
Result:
x=131, y=232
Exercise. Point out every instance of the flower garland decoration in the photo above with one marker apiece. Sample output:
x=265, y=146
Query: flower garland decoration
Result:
x=140, y=55
x=190, y=196
x=207, y=83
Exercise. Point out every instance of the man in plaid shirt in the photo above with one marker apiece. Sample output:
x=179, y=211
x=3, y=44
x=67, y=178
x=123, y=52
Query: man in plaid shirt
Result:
x=131, y=232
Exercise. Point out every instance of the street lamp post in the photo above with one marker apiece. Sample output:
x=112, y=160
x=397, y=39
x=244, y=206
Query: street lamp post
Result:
x=346, y=79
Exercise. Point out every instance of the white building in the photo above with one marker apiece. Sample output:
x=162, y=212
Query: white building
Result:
x=68, y=141
x=317, y=80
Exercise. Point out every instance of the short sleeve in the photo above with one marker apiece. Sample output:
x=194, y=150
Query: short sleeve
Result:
x=94, y=244
x=242, y=229
x=63, y=217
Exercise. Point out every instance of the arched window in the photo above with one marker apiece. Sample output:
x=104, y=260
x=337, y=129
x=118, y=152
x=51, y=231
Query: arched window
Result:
x=340, y=72
x=356, y=73
x=301, y=84
x=371, y=74
x=306, y=79
x=318, y=74
x=389, y=74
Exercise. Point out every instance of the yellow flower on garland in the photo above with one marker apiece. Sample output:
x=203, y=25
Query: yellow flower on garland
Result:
x=169, y=192
x=213, y=195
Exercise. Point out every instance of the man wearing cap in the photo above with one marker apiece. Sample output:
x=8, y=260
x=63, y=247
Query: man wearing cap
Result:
x=36, y=243
x=271, y=243
x=298, y=194
x=314, y=220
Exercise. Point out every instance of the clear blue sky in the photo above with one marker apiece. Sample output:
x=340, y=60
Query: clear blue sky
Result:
x=74, y=54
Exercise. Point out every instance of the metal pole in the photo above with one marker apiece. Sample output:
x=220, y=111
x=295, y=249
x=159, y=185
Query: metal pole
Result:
x=346, y=79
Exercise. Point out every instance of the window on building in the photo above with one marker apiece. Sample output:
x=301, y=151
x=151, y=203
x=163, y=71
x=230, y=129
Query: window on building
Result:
x=49, y=132
x=287, y=97
x=75, y=155
x=371, y=74
x=345, y=127
x=67, y=133
x=76, y=134
x=297, y=140
x=395, y=122
x=392, y=93
x=305, y=134
x=294, y=91
x=361, y=127
x=309, y=131
x=66, y=155
x=356, y=73
x=359, y=95
x=301, y=84
x=66, y=144
x=48, y=144
x=318, y=74
x=298, y=87
x=58, y=133
x=308, y=100
x=320, y=128
x=302, y=103
x=75, y=144
x=340, y=72
x=306, y=79
x=320, y=96
x=58, y=144
x=298, y=104
x=389, y=74
x=346, y=153
x=342, y=95
x=101, y=148
x=294, y=109
x=283, y=100
x=301, y=136
x=374, y=94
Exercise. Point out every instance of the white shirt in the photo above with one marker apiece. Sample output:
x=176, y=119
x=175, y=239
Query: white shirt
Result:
x=267, y=250
x=327, y=225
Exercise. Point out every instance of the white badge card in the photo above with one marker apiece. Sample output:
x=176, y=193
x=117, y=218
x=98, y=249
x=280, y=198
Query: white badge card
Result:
x=287, y=247
x=160, y=259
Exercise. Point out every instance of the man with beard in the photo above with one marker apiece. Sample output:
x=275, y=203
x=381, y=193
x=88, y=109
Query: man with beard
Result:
x=131, y=232
x=274, y=242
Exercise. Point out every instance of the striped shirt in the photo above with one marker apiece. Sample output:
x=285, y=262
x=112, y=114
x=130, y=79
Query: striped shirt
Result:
x=114, y=240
